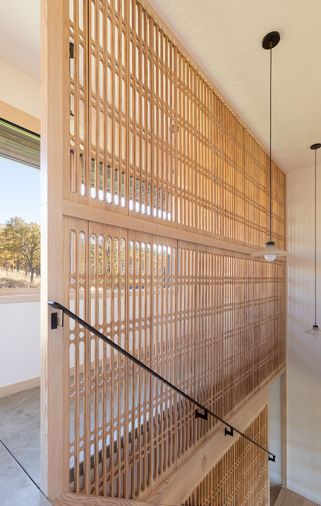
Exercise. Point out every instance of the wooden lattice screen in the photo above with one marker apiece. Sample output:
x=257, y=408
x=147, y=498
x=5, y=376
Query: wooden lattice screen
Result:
x=209, y=321
x=164, y=198
x=240, y=478
x=150, y=138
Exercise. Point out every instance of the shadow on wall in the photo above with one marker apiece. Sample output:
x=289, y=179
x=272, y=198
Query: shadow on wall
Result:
x=303, y=350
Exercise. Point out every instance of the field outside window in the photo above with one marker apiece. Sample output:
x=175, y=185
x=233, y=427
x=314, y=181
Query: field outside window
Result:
x=19, y=219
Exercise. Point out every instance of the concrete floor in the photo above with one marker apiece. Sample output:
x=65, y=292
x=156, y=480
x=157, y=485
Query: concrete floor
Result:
x=20, y=432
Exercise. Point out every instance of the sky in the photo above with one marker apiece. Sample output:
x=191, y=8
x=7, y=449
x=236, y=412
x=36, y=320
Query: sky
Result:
x=19, y=191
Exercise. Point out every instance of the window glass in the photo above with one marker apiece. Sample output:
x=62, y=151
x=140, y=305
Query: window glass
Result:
x=19, y=227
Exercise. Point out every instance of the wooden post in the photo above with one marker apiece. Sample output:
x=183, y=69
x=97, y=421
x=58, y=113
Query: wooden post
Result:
x=53, y=157
x=284, y=442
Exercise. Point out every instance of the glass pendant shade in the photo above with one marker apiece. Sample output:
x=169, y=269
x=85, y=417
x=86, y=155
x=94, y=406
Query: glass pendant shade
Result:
x=314, y=331
x=269, y=257
x=270, y=252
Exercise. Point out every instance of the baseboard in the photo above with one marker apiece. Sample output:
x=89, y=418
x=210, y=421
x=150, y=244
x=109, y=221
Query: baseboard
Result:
x=32, y=383
x=19, y=387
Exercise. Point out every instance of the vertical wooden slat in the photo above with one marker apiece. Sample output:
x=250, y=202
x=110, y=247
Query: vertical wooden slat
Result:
x=109, y=115
x=149, y=138
x=241, y=476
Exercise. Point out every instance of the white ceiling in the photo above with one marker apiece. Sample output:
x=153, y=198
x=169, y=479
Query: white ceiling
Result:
x=20, y=35
x=224, y=36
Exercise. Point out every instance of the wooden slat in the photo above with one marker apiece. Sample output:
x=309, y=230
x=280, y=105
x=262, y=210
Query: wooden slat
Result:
x=240, y=477
x=191, y=470
x=161, y=196
x=191, y=313
x=137, y=106
x=110, y=217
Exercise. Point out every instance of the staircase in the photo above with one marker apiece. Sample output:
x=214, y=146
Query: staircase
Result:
x=279, y=497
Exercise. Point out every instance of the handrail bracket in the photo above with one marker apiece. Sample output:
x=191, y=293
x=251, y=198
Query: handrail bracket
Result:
x=201, y=414
x=56, y=320
x=229, y=431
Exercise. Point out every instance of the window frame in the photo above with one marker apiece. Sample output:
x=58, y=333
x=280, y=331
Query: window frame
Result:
x=31, y=123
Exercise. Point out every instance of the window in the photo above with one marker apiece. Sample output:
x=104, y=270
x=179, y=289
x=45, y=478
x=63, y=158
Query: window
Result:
x=19, y=210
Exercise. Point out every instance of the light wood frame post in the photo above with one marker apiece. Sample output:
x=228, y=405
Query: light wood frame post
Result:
x=53, y=160
x=284, y=441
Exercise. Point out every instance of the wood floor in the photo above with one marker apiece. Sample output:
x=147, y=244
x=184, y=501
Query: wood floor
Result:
x=274, y=494
x=289, y=498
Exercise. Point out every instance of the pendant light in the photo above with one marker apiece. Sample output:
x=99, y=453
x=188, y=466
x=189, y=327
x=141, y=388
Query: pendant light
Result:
x=315, y=331
x=270, y=251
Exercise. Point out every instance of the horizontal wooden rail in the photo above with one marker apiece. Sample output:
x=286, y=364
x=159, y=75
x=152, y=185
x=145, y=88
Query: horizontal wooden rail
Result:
x=229, y=429
x=141, y=224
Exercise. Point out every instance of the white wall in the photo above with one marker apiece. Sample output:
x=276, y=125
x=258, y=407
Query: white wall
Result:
x=275, y=430
x=304, y=351
x=19, y=89
x=19, y=322
x=19, y=342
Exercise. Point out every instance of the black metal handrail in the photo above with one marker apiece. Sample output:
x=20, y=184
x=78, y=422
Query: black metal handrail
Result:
x=229, y=429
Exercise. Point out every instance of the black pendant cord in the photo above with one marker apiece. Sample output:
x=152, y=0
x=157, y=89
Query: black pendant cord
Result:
x=315, y=238
x=270, y=144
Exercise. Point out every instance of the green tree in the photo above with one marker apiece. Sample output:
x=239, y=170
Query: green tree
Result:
x=7, y=258
x=21, y=245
